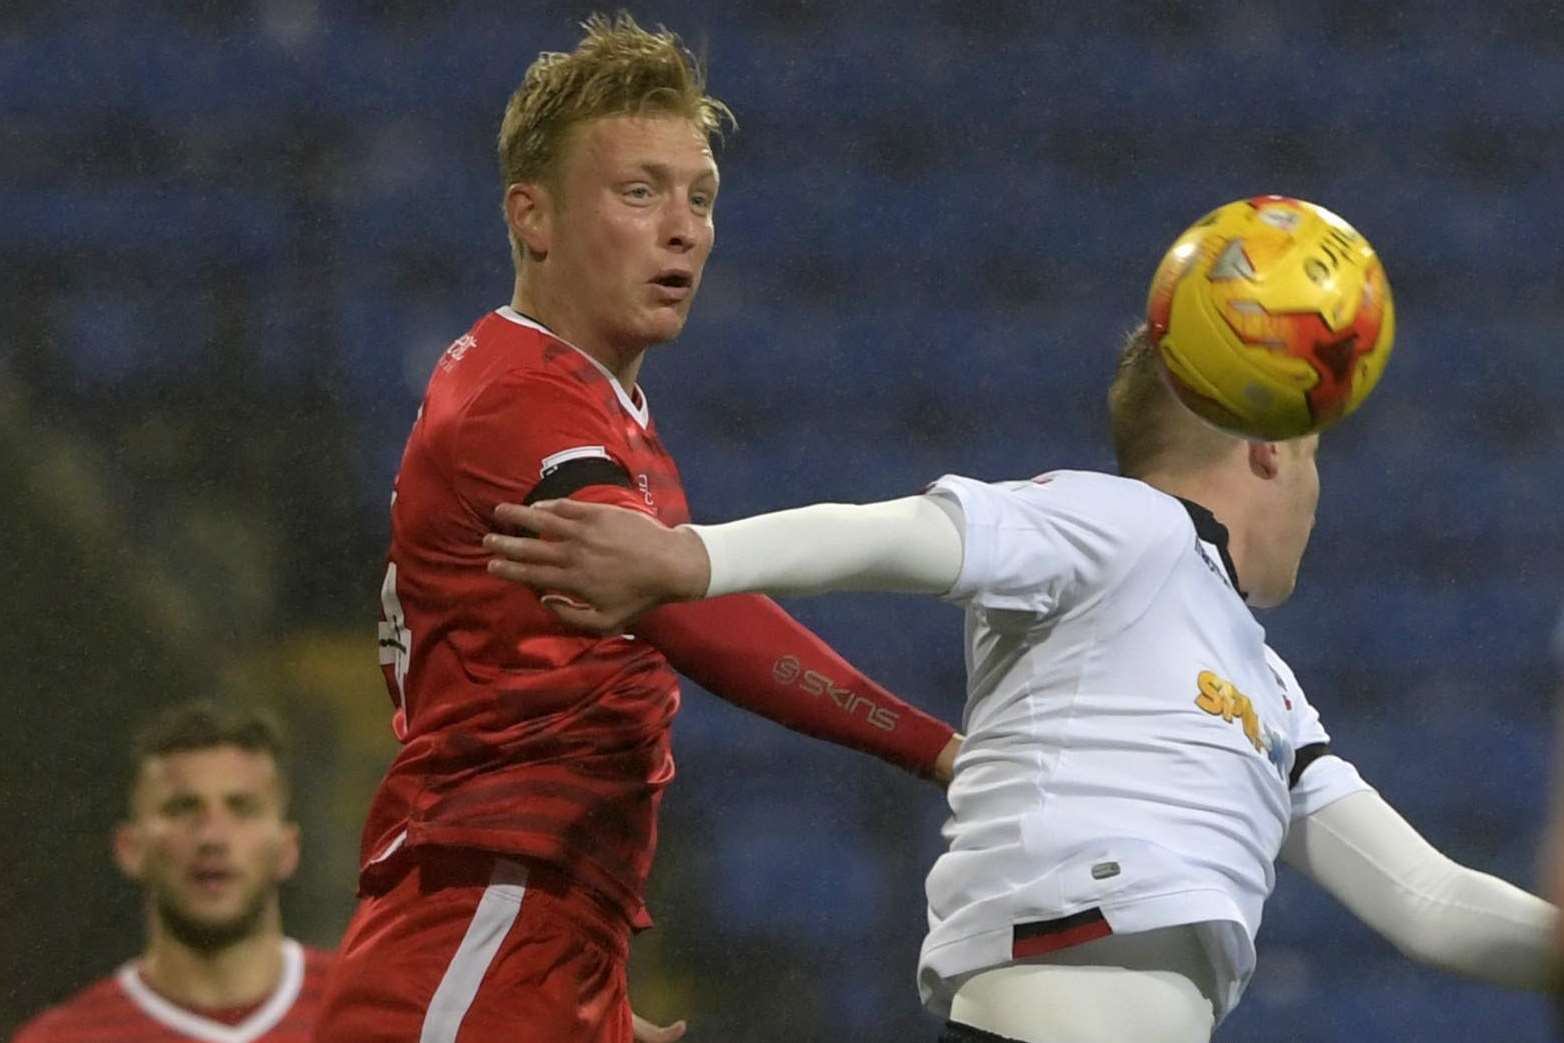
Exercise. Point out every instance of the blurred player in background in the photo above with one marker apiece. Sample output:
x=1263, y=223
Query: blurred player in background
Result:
x=1137, y=756
x=208, y=840
x=506, y=852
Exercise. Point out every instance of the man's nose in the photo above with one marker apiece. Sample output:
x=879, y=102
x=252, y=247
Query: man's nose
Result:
x=680, y=227
x=213, y=830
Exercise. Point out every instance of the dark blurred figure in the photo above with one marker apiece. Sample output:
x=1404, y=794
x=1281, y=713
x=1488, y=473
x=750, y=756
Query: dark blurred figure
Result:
x=208, y=839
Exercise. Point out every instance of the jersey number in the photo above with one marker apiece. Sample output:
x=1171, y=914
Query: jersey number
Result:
x=395, y=639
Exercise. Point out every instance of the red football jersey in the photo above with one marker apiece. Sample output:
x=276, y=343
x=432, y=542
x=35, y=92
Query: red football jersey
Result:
x=520, y=735
x=123, y=1009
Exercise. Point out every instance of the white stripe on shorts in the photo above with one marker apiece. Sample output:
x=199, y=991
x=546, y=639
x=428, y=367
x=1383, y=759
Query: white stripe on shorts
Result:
x=491, y=922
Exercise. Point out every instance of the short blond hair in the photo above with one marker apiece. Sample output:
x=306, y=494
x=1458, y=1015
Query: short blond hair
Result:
x=618, y=69
x=1152, y=430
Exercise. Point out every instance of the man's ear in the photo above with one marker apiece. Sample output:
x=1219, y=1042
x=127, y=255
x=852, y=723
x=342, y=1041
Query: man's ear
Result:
x=1262, y=459
x=130, y=851
x=288, y=852
x=529, y=211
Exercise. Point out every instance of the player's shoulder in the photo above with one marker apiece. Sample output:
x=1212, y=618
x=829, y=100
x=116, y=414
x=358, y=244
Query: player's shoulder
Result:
x=1282, y=672
x=1111, y=491
x=507, y=357
x=1106, y=502
x=317, y=963
x=312, y=988
x=314, y=958
x=504, y=341
x=97, y=1012
x=1274, y=660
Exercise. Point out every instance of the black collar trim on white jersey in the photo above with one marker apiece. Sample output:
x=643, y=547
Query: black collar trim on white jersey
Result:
x=1214, y=533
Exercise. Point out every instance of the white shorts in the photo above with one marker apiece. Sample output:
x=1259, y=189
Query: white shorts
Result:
x=1151, y=987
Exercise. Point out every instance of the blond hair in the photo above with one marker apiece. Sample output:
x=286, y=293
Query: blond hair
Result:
x=1152, y=430
x=618, y=69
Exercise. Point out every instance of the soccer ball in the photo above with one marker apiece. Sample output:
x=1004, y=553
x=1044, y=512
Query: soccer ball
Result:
x=1272, y=317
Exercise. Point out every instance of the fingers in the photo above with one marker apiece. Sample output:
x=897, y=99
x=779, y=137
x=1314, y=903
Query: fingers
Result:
x=550, y=578
x=549, y=560
x=558, y=596
x=582, y=616
x=550, y=518
x=565, y=601
x=525, y=550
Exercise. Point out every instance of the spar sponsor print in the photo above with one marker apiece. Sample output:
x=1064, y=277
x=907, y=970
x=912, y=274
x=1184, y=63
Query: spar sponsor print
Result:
x=788, y=670
x=1221, y=698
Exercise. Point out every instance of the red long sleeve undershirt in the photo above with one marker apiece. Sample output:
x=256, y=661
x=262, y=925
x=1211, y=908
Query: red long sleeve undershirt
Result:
x=745, y=649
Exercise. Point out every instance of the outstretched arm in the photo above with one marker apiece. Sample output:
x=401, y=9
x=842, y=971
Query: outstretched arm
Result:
x=1431, y=908
x=746, y=650
x=617, y=563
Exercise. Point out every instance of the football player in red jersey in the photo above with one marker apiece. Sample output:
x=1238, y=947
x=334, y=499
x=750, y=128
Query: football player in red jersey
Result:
x=208, y=841
x=506, y=851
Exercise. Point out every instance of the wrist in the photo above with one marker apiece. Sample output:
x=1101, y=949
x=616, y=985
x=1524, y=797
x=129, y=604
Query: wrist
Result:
x=945, y=764
x=690, y=570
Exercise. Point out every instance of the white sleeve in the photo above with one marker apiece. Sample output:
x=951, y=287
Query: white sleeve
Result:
x=911, y=545
x=1435, y=911
x=1039, y=547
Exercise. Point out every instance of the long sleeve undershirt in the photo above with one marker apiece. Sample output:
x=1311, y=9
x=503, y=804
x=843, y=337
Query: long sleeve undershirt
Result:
x=1433, y=909
x=749, y=652
x=910, y=545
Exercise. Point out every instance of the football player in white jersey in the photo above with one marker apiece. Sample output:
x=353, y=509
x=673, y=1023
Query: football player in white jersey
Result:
x=1136, y=756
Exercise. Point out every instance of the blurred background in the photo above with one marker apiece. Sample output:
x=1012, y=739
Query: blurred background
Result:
x=235, y=235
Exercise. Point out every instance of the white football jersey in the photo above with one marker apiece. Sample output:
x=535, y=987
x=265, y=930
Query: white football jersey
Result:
x=1134, y=751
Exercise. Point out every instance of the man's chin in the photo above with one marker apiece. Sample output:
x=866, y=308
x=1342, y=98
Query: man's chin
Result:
x=663, y=335
x=209, y=931
x=1271, y=598
x=665, y=324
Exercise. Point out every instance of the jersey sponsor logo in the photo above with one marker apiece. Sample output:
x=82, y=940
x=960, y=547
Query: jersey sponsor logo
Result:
x=459, y=347
x=396, y=645
x=788, y=670
x=644, y=484
x=1222, y=699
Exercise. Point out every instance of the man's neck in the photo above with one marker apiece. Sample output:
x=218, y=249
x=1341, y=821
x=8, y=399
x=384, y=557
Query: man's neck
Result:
x=1212, y=494
x=237, y=975
x=624, y=364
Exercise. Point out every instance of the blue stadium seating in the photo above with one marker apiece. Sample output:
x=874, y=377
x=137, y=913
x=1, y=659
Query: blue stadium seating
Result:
x=937, y=220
